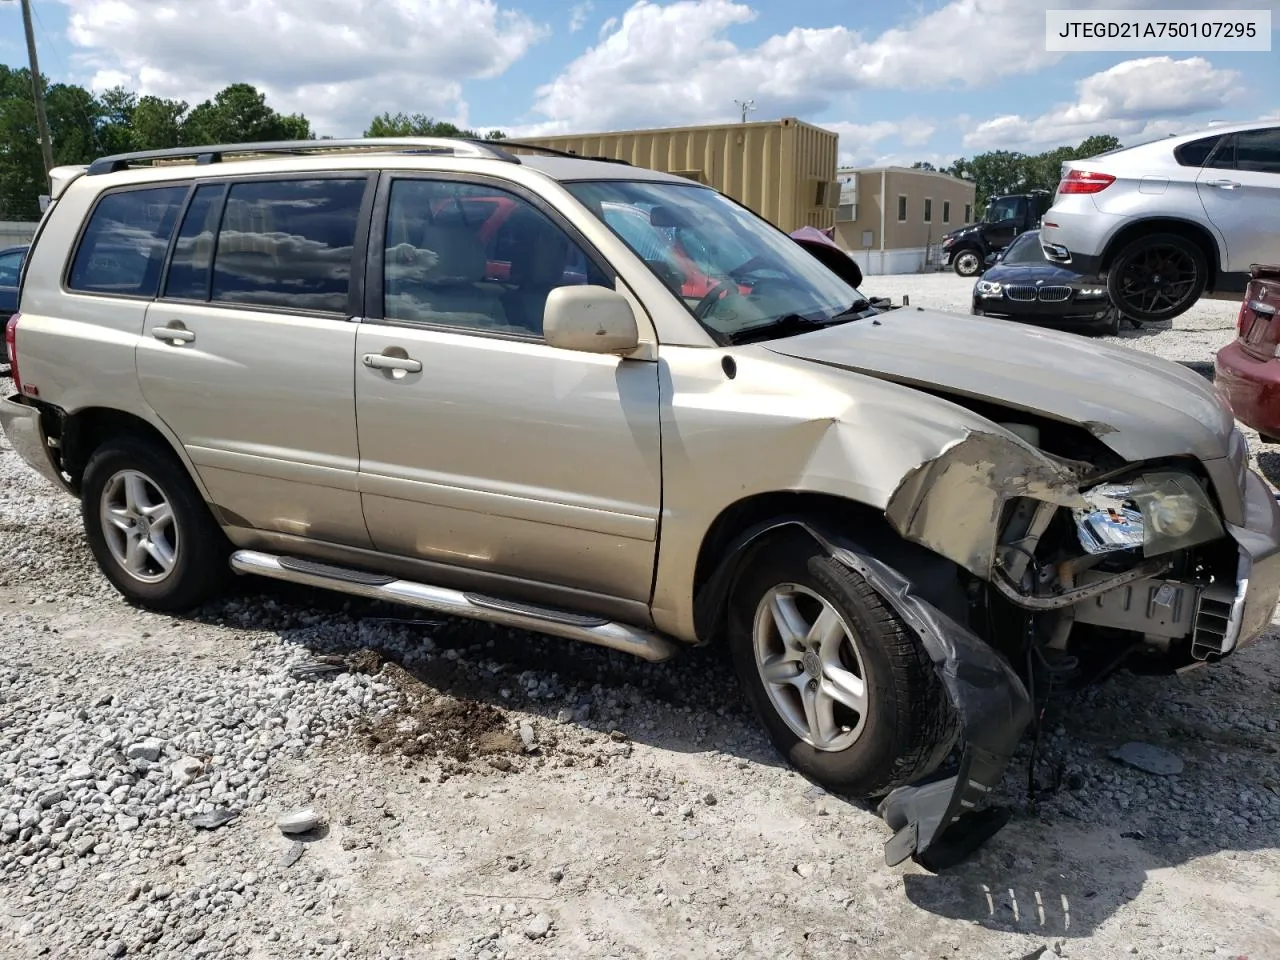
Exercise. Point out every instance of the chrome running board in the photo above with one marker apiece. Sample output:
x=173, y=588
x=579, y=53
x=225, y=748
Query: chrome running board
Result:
x=642, y=643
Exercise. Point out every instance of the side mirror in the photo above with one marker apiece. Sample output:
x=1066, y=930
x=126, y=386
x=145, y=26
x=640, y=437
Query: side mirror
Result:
x=590, y=319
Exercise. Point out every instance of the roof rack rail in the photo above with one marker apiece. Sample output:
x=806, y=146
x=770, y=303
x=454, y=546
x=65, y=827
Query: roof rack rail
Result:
x=214, y=153
x=552, y=151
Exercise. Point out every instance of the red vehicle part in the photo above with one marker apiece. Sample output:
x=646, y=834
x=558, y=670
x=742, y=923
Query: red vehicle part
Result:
x=1247, y=370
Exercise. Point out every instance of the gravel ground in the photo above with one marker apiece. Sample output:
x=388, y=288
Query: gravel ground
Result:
x=484, y=793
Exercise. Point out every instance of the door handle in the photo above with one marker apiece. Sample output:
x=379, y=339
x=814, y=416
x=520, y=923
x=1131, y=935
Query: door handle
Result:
x=380, y=361
x=173, y=334
x=1224, y=184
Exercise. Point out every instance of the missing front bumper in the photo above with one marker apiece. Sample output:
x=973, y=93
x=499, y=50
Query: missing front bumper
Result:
x=938, y=820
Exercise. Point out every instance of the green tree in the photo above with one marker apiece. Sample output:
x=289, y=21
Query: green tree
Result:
x=1100, y=143
x=239, y=114
x=115, y=112
x=1003, y=171
x=420, y=125
x=157, y=123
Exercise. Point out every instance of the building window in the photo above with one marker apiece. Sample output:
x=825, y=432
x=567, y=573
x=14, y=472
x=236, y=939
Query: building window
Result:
x=928, y=210
x=902, y=208
x=946, y=211
x=968, y=209
x=847, y=211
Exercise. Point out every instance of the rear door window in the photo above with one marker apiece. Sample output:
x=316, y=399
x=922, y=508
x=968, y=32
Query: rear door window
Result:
x=122, y=249
x=288, y=244
x=192, y=259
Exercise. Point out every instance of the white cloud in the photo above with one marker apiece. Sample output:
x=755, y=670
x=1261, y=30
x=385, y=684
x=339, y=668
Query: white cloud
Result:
x=674, y=63
x=1149, y=96
x=578, y=15
x=338, y=61
x=859, y=140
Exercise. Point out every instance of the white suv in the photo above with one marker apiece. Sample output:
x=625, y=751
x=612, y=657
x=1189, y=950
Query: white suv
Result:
x=1168, y=221
x=434, y=372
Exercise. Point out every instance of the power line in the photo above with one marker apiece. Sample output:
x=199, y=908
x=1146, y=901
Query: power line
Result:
x=48, y=39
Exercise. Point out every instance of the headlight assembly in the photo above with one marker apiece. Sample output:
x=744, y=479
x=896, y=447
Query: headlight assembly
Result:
x=1091, y=292
x=1159, y=512
x=989, y=288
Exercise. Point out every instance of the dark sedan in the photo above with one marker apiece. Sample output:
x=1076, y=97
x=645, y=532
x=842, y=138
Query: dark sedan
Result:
x=10, y=264
x=1022, y=285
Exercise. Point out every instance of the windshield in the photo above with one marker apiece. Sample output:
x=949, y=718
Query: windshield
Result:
x=732, y=270
x=1002, y=208
x=1026, y=249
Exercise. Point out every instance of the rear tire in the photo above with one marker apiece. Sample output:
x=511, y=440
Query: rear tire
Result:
x=906, y=726
x=1157, y=277
x=148, y=527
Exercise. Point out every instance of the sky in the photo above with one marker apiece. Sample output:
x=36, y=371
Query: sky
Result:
x=899, y=82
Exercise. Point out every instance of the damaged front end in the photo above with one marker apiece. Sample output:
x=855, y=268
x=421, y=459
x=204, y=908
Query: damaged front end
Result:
x=1076, y=562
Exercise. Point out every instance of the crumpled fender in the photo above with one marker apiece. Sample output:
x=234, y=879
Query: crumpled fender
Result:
x=952, y=502
x=988, y=696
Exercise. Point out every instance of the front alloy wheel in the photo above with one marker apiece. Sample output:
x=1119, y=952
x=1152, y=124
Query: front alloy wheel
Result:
x=812, y=670
x=844, y=688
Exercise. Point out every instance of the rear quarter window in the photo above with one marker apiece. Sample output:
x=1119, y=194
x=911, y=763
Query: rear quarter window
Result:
x=123, y=245
x=1195, y=153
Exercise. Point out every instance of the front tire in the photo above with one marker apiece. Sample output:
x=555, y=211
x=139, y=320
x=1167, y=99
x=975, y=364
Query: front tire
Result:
x=844, y=689
x=150, y=531
x=1157, y=277
x=967, y=263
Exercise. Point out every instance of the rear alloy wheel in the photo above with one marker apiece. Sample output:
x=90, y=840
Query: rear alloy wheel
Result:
x=1157, y=277
x=845, y=690
x=149, y=529
x=967, y=263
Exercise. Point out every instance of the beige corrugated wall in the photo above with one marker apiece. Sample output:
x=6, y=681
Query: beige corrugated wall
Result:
x=773, y=167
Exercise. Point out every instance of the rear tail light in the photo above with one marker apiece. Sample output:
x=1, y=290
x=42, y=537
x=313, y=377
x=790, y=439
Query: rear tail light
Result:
x=1084, y=181
x=11, y=347
x=1244, y=319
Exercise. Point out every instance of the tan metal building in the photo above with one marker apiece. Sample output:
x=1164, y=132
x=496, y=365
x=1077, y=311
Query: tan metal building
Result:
x=892, y=218
x=784, y=170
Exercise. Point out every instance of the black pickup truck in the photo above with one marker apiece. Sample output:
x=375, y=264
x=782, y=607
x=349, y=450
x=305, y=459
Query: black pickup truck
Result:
x=966, y=249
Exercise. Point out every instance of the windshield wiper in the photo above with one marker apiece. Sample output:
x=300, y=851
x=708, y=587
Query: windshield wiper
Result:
x=854, y=310
x=782, y=326
x=791, y=323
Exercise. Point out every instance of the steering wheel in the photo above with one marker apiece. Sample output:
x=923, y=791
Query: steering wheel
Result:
x=713, y=297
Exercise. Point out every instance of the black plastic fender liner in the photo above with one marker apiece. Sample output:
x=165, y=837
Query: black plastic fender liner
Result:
x=987, y=694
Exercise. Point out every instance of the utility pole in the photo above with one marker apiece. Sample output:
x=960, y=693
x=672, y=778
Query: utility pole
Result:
x=37, y=89
x=743, y=105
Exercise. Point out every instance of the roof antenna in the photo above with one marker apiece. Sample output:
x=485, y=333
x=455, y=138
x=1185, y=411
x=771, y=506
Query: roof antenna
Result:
x=745, y=106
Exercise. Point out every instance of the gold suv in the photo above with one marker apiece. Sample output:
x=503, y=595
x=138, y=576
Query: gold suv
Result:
x=614, y=405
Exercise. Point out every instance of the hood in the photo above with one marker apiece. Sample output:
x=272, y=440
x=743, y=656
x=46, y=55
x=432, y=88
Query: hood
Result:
x=1140, y=406
x=962, y=231
x=1030, y=273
